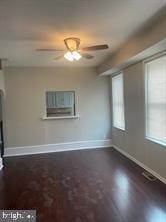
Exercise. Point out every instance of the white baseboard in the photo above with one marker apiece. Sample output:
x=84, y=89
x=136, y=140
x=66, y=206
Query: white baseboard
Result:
x=1, y=164
x=162, y=179
x=58, y=147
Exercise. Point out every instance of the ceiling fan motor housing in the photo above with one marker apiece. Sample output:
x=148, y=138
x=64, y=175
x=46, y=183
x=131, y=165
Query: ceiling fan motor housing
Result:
x=72, y=43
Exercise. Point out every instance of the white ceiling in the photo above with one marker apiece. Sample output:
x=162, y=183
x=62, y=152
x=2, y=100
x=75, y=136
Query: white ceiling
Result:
x=29, y=24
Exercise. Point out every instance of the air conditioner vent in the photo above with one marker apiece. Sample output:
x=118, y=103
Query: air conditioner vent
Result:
x=149, y=176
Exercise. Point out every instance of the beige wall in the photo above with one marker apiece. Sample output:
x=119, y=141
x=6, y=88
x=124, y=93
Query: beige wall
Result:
x=132, y=140
x=25, y=106
x=2, y=92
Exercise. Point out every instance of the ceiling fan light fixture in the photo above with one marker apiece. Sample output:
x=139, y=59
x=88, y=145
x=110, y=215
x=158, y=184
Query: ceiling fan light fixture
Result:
x=69, y=56
x=77, y=56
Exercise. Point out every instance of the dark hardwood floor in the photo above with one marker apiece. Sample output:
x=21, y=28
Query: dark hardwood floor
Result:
x=98, y=185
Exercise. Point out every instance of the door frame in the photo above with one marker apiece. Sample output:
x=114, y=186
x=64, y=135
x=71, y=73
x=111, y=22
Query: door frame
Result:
x=2, y=122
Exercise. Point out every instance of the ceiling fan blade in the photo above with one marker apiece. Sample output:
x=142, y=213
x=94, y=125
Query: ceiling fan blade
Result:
x=59, y=57
x=49, y=50
x=87, y=56
x=95, y=47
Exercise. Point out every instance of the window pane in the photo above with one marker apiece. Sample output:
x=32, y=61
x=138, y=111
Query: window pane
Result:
x=156, y=99
x=118, y=101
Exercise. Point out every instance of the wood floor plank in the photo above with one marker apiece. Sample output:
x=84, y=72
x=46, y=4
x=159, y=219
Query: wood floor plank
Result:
x=98, y=185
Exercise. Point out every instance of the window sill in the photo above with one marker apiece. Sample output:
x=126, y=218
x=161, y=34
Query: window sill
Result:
x=156, y=141
x=60, y=117
x=119, y=128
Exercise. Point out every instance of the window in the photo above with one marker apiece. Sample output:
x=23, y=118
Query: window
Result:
x=155, y=89
x=60, y=103
x=118, y=102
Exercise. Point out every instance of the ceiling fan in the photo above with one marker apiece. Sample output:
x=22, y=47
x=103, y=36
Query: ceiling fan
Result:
x=74, y=52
